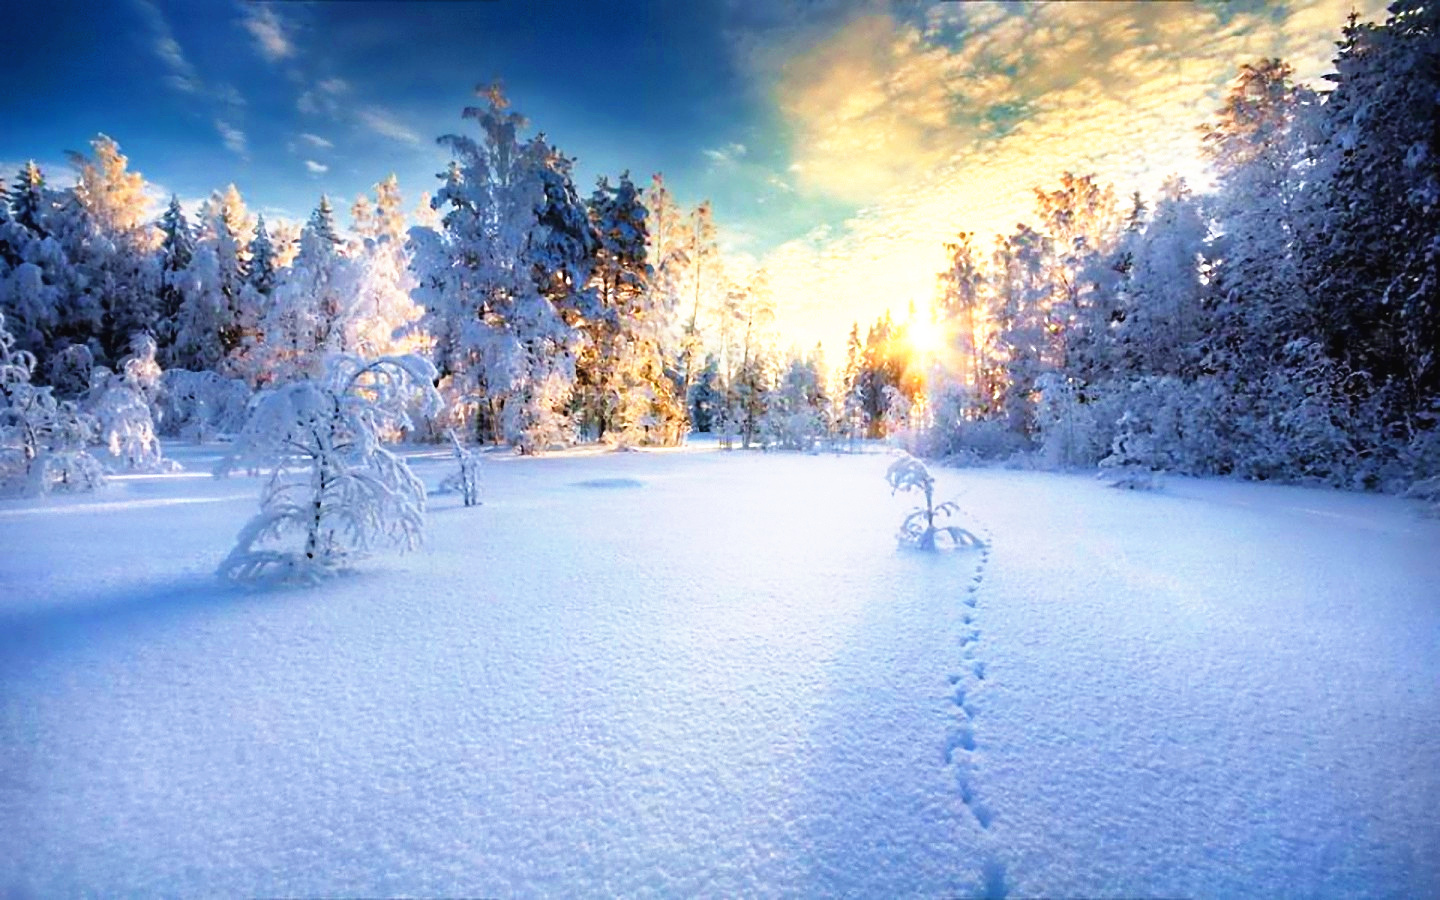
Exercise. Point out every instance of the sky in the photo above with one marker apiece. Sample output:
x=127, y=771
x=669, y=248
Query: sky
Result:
x=841, y=142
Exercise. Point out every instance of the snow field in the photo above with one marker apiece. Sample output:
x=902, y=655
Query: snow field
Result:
x=715, y=675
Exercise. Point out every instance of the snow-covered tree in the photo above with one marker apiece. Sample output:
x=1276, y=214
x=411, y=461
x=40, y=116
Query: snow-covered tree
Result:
x=1019, y=339
x=962, y=306
x=313, y=308
x=121, y=274
x=1163, y=315
x=350, y=493
x=795, y=411
x=177, y=248
x=384, y=312
x=218, y=320
x=125, y=403
x=42, y=440
x=69, y=371
x=624, y=364
x=466, y=478
x=1128, y=465
x=666, y=236
x=489, y=282
x=706, y=286
x=1372, y=235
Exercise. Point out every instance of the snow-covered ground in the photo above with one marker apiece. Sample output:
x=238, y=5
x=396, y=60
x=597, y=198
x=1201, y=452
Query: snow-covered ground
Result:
x=714, y=674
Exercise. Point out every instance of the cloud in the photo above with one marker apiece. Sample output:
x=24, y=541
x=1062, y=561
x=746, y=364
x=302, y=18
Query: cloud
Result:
x=316, y=140
x=316, y=168
x=233, y=138
x=269, y=32
x=181, y=75
x=385, y=124
x=948, y=122
x=334, y=86
x=726, y=154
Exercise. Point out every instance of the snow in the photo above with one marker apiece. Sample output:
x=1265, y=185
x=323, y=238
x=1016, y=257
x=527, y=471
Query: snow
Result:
x=715, y=674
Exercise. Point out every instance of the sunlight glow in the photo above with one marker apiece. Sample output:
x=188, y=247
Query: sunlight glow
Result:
x=925, y=338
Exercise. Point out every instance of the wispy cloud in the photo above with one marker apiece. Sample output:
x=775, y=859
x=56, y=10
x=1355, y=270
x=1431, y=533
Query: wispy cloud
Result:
x=384, y=123
x=268, y=31
x=726, y=154
x=316, y=168
x=316, y=140
x=233, y=138
x=181, y=75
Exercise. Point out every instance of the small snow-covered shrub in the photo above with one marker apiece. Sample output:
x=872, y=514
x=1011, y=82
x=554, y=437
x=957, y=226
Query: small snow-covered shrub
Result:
x=334, y=489
x=1427, y=491
x=201, y=405
x=799, y=429
x=125, y=425
x=919, y=530
x=1070, y=432
x=69, y=370
x=466, y=479
x=125, y=405
x=1128, y=465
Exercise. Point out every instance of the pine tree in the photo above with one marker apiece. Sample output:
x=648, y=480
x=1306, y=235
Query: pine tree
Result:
x=263, y=268
x=177, y=249
x=1373, y=241
x=962, y=307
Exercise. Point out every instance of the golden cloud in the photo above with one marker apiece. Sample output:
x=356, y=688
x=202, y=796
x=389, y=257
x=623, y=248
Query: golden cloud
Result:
x=949, y=123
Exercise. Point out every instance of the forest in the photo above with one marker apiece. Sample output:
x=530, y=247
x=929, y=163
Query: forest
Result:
x=1282, y=323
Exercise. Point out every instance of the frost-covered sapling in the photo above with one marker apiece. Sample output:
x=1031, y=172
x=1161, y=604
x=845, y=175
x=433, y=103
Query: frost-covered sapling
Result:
x=467, y=479
x=919, y=529
x=334, y=489
x=123, y=403
x=1128, y=465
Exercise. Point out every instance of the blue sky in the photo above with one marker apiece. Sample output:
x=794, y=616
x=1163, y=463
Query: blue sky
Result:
x=842, y=141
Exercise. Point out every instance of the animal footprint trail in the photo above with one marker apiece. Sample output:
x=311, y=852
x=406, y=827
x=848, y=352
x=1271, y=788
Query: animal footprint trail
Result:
x=962, y=743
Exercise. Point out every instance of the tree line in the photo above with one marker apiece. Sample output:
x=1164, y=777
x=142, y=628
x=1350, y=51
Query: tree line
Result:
x=1284, y=324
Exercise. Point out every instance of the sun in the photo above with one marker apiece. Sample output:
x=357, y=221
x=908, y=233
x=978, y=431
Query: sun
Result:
x=924, y=337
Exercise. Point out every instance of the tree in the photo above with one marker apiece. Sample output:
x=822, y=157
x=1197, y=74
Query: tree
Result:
x=503, y=348
x=1019, y=339
x=227, y=227
x=384, y=313
x=635, y=396
x=704, y=274
x=1257, y=150
x=177, y=249
x=313, y=307
x=354, y=493
x=962, y=307
x=116, y=205
x=1373, y=241
x=42, y=440
x=124, y=405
